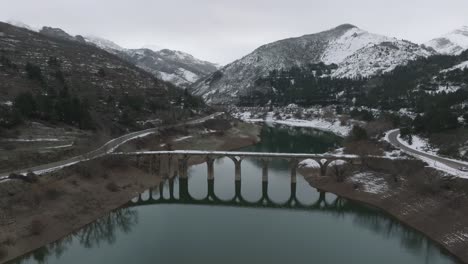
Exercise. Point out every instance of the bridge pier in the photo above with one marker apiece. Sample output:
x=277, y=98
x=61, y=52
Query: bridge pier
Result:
x=210, y=167
x=293, y=168
x=164, y=169
x=237, y=167
x=138, y=161
x=157, y=165
x=183, y=167
x=265, y=163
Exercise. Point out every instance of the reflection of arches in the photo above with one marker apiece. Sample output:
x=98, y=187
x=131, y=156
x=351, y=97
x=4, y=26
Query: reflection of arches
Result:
x=238, y=201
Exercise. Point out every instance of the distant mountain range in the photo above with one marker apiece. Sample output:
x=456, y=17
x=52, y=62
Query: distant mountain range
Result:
x=355, y=52
x=176, y=67
x=452, y=43
x=350, y=51
x=57, y=72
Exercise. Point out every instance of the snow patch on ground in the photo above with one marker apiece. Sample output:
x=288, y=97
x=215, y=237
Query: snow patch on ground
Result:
x=370, y=183
x=420, y=144
x=286, y=117
x=60, y=146
x=31, y=139
x=321, y=124
x=461, y=66
x=309, y=163
x=182, y=138
x=395, y=155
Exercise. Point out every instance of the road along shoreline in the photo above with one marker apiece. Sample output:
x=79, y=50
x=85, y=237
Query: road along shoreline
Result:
x=65, y=201
x=108, y=147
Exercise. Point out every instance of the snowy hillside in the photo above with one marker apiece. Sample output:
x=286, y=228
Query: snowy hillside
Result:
x=379, y=58
x=177, y=67
x=104, y=44
x=355, y=52
x=462, y=66
x=452, y=43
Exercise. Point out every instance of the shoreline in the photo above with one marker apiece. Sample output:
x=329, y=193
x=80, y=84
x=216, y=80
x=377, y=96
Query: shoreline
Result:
x=81, y=200
x=341, y=189
x=396, y=204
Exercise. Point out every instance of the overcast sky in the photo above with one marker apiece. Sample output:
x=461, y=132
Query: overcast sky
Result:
x=224, y=30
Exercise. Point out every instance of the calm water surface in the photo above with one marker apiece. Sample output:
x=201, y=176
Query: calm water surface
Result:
x=180, y=230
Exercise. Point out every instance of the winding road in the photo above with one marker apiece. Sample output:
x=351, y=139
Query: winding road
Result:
x=109, y=147
x=392, y=137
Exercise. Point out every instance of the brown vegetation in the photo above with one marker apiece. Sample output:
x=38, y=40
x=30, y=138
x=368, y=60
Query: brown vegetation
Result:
x=3, y=252
x=217, y=124
x=112, y=187
x=37, y=227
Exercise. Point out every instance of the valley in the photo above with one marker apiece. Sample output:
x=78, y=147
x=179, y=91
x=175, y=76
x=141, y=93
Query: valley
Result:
x=91, y=132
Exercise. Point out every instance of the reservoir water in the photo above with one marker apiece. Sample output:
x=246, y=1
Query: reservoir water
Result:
x=191, y=228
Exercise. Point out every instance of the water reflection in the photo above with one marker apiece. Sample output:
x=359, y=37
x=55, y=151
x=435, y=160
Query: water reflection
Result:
x=102, y=230
x=246, y=221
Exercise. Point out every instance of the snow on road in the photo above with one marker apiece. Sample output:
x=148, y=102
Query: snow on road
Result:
x=419, y=146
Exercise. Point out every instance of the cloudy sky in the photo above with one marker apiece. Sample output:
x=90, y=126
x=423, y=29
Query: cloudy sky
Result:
x=224, y=30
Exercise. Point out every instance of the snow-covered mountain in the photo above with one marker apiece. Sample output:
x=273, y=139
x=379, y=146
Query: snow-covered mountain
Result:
x=176, y=67
x=452, y=43
x=104, y=44
x=356, y=52
x=20, y=24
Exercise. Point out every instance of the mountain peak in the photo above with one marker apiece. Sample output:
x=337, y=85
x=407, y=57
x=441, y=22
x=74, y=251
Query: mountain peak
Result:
x=345, y=26
x=462, y=31
x=452, y=43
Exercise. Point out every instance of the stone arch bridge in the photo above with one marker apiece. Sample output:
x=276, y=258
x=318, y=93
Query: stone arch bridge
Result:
x=168, y=164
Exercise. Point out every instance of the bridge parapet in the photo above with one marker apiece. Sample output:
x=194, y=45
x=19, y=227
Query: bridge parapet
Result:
x=168, y=164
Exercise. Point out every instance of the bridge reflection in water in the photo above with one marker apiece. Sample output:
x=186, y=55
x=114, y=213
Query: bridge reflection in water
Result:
x=156, y=196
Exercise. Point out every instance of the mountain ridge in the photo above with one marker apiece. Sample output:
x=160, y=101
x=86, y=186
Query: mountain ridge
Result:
x=350, y=48
x=452, y=43
x=177, y=67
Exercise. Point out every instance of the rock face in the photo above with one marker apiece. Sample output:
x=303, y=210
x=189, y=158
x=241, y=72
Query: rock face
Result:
x=103, y=44
x=84, y=71
x=56, y=33
x=453, y=43
x=355, y=52
x=176, y=67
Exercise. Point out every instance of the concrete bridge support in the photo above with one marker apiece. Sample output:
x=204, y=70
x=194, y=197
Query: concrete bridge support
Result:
x=210, y=167
x=265, y=163
x=293, y=169
x=164, y=169
x=183, y=166
x=237, y=167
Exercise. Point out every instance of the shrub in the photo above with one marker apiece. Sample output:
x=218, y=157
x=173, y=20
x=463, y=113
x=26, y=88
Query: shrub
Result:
x=112, y=187
x=36, y=227
x=34, y=72
x=52, y=194
x=31, y=177
x=9, y=241
x=357, y=134
x=84, y=170
x=217, y=124
x=3, y=252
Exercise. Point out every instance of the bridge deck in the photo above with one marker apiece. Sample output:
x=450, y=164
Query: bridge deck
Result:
x=240, y=153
